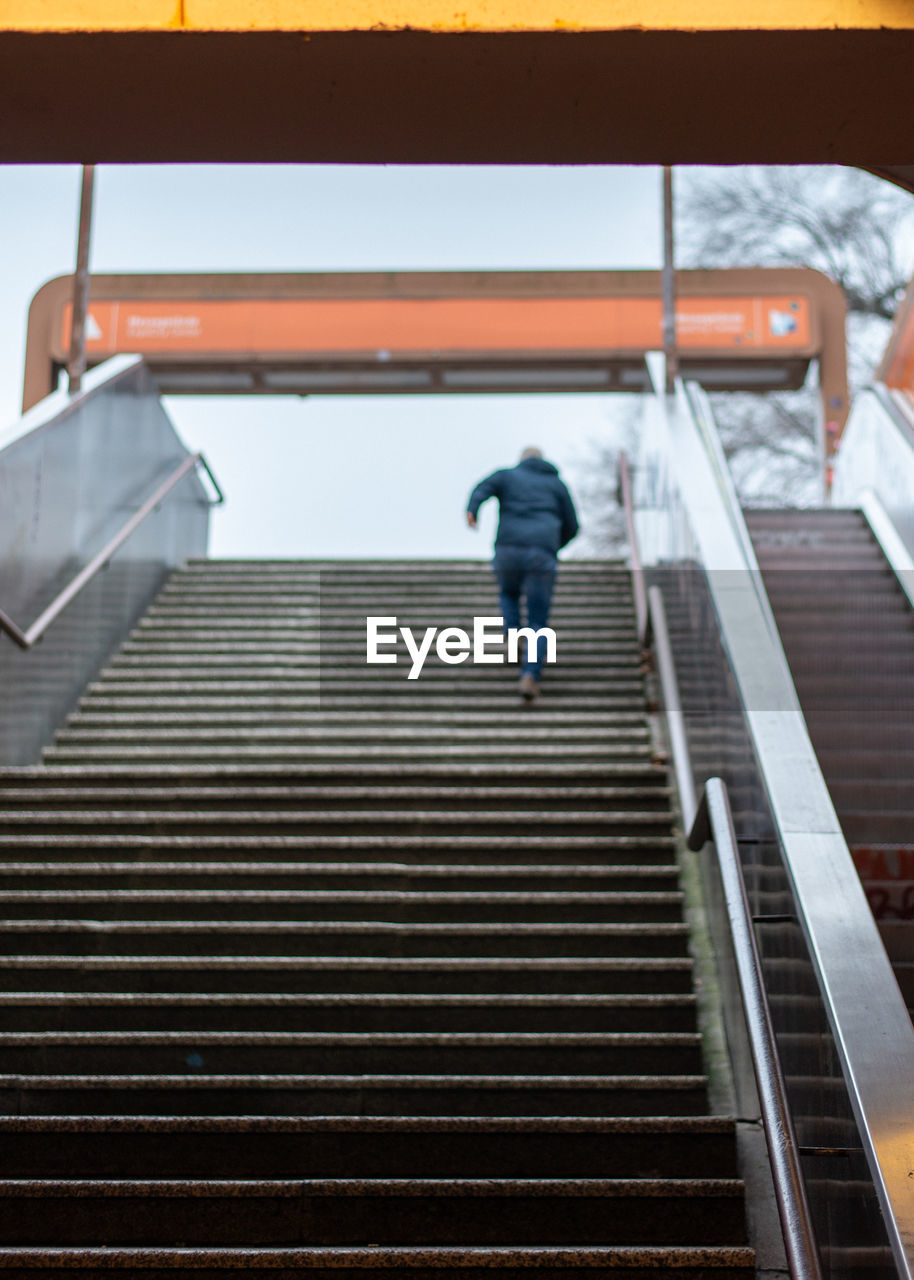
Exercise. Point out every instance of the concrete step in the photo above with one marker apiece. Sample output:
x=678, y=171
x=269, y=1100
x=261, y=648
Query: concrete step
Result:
x=430, y=581
x=346, y=975
x=299, y=679
x=194, y=1010
x=728, y=1262
x=352, y=666
x=373, y=1211
x=338, y=937
x=96, y=725
x=325, y=821
x=439, y=607
x=191, y=624
x=298, y=1094
x=340, y=656
x=178, y=778
x=388, y=1147
x=406, y=877
x=350, y=614
x=262, y=754
x=435, y=682
x=322, y=1053
x=279, y=799
x=404, y=581
x=432, y=572
x=401, y=700
x=463, y=849
x=503, y=701
x=353, y=566
x=205, y=697
x=419, y=905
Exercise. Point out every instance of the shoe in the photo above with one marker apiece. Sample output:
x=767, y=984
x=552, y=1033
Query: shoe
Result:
x=529, y=687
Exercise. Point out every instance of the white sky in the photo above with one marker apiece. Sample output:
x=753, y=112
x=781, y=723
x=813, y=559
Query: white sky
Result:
x=339, y=476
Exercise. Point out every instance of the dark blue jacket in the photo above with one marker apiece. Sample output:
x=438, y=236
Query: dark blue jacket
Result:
x=535, y=508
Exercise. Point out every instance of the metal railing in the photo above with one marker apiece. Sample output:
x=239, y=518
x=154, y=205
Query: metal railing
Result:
x=29, y=637
x=628, y=507
x=714, y=821
x=659, y=633
x=711, y=818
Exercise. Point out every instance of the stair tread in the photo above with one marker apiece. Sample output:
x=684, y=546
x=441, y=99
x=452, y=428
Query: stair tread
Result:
x=361, y=1081
x=370, y=1124
x=613, y=964
x=356, y=1039
x=495, y=1187
x=372, y=1257
x=420, y=929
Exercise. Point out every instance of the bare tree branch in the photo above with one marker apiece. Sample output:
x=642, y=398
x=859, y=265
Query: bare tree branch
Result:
x=853, y=227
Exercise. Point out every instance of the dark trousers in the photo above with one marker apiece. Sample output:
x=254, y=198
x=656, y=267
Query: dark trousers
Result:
x=528, y=573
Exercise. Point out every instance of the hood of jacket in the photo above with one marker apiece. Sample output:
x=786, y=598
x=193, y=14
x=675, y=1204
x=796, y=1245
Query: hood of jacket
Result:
x=539, y=464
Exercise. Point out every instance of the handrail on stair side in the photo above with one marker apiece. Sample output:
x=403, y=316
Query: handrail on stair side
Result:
x=714, y=821
x=28, y=638
x=711, y=819
x=642, y=614
x=657, y=633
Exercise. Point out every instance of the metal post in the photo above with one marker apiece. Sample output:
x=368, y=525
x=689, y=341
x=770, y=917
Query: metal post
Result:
x=76, y=366
x=669, y=282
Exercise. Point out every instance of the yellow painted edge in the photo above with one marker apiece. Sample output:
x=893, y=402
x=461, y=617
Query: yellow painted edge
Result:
x=431, y=15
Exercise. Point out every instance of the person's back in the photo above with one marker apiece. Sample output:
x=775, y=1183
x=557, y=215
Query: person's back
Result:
x=535, y=507
x=536, y=519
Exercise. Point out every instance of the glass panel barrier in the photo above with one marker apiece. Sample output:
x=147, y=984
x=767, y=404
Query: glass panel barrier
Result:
x=72, y=472
x=877, y=456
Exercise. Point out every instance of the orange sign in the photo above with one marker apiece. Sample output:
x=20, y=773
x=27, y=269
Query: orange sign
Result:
x=404, y=327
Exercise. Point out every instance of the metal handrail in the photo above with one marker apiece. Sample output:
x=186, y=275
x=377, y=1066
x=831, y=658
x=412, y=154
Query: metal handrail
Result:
x=659, y=632
x=712, y=819
x=628, y=506
x=26, y=639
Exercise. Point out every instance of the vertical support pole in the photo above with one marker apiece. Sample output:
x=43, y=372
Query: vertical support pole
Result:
x=825, y=443
x=669, y=282
x=76, y=365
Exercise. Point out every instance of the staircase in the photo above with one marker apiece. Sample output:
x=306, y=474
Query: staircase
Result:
x=308, y=967
x=848, y=634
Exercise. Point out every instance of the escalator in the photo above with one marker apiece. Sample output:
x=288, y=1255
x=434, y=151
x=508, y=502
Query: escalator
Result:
x=790, y=660
x=847, y=628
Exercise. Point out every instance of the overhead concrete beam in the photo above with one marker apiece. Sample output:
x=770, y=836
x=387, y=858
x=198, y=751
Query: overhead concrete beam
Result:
x=161, y=83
